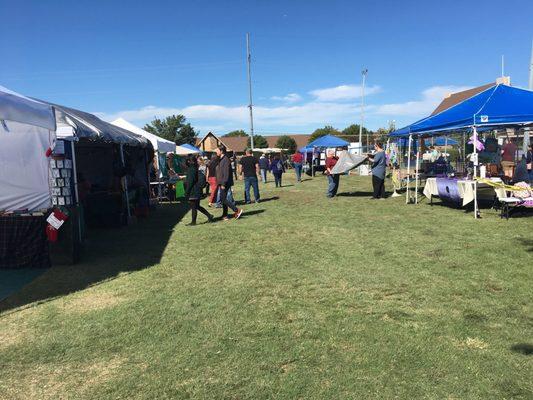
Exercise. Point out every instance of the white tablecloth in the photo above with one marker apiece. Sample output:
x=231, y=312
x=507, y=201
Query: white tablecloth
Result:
x=464, y=187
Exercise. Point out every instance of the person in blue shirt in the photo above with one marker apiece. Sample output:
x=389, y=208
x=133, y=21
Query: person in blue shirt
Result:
x=379, y=166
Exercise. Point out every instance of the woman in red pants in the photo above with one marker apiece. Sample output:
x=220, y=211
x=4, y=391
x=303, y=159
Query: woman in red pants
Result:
x=212, y=179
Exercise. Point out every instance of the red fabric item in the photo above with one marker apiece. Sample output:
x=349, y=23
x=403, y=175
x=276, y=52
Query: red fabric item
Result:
x=509, y=151
x=48, y=152
x=297, y=158
x=51, y=233
x=330, y=163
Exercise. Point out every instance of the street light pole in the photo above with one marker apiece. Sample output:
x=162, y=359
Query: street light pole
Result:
x=250, y=105
x=363, y=73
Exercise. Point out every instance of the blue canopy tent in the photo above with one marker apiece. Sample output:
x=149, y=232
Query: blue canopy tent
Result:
x=191, y=147
x=322, y=142
x=499, y=105
x=328, y=141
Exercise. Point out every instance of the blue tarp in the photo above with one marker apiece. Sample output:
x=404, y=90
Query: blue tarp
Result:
x=441, y=141
x=328, y=141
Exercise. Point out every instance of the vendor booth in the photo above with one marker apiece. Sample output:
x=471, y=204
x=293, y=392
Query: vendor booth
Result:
x=315, y=152
x=27, y=134
x=159, y=167
x=500, y=106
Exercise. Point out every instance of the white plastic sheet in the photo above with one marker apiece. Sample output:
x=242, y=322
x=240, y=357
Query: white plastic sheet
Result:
x=24, y=167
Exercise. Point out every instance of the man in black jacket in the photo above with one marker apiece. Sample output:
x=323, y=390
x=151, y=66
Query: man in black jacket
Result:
x=224, y=175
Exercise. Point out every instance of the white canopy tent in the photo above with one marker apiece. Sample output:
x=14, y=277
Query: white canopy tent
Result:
x=27, y=131
x=160, y=145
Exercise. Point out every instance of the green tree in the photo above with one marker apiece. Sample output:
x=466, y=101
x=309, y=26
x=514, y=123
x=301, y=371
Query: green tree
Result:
x=353, y=130
x=237, y=133
x=327, y=130
x=286, y=142
x=174, y=128
x=259, y=142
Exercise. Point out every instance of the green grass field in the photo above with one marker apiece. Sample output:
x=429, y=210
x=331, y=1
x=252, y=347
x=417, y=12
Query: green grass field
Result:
x=303, y=298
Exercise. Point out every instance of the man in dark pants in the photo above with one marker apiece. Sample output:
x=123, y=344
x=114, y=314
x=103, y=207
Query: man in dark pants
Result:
x=249, y=167
x=224, y=175
x=379, y=166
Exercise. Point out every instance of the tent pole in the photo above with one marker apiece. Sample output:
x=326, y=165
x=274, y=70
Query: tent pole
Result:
x=416, y=174
x=446, y=147
x=475, y=173
x=75, y=176
x=125, y=182
x=408, y=168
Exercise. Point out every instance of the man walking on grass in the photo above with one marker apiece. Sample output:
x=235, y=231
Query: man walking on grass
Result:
x=224, y=175
x=249, y=167
x=297, y=160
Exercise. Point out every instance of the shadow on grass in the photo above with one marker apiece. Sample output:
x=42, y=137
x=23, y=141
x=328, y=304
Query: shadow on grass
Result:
x=107, y=253
x=523, y=348
x=242, y=202
x=528, y=244
x=355, y=194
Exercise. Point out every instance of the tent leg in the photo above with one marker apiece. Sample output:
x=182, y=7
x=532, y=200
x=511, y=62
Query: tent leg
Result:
x=475, y=174
x=125, y=183
x=75, y=176
x=408, y=169
x=416, y=175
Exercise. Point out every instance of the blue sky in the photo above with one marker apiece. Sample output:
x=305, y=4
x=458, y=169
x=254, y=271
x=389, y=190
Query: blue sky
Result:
x=153, y=58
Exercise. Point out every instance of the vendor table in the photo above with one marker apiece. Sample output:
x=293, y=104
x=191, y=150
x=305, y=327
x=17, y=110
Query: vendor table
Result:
x=465, y=188
x=23, y=242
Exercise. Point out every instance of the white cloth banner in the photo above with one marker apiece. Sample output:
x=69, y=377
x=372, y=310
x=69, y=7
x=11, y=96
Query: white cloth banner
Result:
x=24, y=167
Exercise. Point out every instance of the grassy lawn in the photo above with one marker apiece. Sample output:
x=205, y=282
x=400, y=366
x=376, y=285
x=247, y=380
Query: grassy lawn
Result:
x=303, y=298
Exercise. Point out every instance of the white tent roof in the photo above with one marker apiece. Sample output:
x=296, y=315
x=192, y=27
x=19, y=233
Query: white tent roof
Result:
x=161, y=145
x=18, y=108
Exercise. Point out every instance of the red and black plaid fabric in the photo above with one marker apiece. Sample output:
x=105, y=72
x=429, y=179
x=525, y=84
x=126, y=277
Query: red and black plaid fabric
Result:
x=23, y=242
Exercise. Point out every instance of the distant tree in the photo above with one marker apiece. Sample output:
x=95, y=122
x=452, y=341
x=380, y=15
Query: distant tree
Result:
x=327, y=130
x=286, y=142
x=237, y=133
x=353, y=130
x=259, y=142
x=173, y=128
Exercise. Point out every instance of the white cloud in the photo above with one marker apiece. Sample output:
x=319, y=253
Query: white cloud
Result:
x=343, y=92
x=431, y=98
x=290, y=98
x=232, y=117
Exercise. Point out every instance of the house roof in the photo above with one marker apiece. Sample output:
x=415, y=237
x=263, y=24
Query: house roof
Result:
x=240, y=143
x=456, y=98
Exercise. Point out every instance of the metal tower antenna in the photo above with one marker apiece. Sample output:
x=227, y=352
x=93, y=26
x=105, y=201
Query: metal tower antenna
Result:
x=364, y=72
x=250, y=105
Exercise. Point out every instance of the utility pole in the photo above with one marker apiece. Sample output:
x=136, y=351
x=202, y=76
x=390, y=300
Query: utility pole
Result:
x=503, y=66
x=363, y=73
x=250, y=105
